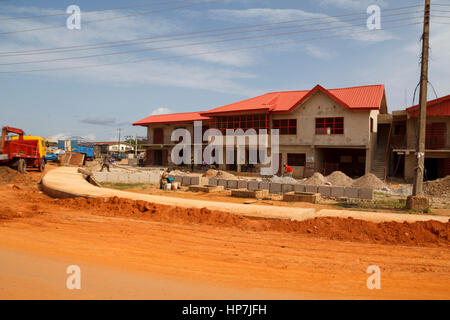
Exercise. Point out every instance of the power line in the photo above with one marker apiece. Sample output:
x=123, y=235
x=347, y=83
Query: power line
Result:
x=114, y=18
x=92, y=11
x=112, y=43
x=202, y=53
x=195, y=44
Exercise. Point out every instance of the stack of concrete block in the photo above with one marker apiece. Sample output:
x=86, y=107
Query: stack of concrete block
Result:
x=150, y=177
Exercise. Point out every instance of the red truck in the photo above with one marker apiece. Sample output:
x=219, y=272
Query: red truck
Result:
x=19, y=152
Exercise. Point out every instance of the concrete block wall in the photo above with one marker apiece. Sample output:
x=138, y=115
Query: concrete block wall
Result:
x=252, y=185
x=325, y=191
x=337, y=192
x=151, y=177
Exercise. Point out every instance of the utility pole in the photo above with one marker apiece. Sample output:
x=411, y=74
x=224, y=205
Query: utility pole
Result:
x=118, y=146
x=136, y=146
x=422, y=117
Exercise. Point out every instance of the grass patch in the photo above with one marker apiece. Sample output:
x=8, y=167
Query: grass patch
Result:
x=394, y=204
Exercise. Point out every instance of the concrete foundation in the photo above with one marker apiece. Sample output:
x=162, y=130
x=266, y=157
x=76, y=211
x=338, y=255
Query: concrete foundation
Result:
x=301, y=197
x=206, y=189
x=244, y=193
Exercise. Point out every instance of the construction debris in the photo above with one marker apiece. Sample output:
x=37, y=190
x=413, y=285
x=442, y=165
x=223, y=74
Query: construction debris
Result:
x=438, y=188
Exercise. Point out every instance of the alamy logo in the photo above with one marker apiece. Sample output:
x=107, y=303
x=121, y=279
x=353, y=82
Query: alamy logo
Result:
x=74, y=20
x=374, y=20
x=74, y=280
x=221, y=148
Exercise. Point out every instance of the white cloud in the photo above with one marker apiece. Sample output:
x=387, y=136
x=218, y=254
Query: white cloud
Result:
x=160, y=111
x=355, y=29
x=201, y=72
x=60, y=136
x=352, y=4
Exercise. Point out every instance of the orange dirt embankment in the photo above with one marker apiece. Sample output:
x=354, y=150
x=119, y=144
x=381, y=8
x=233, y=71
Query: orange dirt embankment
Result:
x=429, y=233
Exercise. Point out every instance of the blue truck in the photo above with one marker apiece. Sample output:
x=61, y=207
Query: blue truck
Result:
x=78, y=146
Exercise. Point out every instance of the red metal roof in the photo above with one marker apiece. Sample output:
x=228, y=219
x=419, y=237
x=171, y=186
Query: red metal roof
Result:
x=354, y=98
x=436, y=107
x=171, y=118
x=361, y=98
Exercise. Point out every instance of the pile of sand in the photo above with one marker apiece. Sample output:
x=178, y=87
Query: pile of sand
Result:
x=210, y=173
x=225, y=175
x=8, y=175
x=369, y=181
x=339, y=179
x=180, y=173
x=438, y=188
x=317, y=179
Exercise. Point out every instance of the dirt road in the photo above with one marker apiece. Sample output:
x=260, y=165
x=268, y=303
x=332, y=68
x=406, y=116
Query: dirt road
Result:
x=130, y=256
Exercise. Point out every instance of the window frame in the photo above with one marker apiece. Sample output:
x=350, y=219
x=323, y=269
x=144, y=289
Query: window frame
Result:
x=285, y=126
x=336, y=124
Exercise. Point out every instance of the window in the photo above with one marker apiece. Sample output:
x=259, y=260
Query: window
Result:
x=330, y=125
x=296, y=159
x=371, y=124
x=286, y=126
x=244, y=122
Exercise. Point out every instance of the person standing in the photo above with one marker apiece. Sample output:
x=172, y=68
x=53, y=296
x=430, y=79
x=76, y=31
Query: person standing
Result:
x=105, y=162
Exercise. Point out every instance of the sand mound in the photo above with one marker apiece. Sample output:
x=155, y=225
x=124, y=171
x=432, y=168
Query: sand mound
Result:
x=225, y=175
x=210, y=173
x=369, y=181
x=8, y=175
x=429, y=233
x=316, y=179
x=339, y=179
x=438, y=188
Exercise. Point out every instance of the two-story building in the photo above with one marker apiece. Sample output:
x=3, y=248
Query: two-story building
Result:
x=319, y=129
x=403, y=141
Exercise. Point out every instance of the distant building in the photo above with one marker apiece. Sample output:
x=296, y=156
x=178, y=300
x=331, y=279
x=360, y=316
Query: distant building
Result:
x=320, y=129
x=112, y=146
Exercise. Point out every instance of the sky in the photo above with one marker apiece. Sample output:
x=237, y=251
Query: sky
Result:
x=195, y=55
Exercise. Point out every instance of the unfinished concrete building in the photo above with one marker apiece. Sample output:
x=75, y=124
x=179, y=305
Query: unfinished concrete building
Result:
x=320, y=129
x=401, y=160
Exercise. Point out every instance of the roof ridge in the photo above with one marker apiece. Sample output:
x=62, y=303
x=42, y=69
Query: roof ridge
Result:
x=365, y=86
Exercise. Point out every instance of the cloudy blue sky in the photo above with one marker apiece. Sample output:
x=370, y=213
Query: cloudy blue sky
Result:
x=293, y=45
